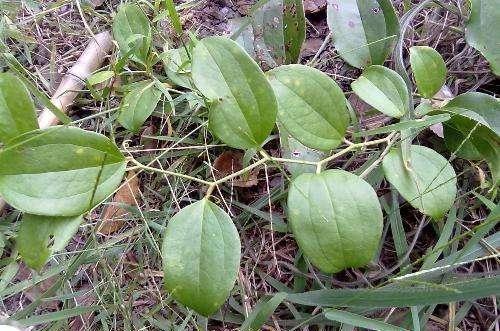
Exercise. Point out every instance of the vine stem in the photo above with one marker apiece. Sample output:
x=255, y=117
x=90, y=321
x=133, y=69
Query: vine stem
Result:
x=390, y=140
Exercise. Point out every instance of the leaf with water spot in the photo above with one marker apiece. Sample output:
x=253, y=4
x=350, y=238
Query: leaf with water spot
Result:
x=363, y=32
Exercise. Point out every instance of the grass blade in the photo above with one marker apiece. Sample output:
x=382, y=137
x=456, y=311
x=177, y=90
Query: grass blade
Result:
x=359, y=321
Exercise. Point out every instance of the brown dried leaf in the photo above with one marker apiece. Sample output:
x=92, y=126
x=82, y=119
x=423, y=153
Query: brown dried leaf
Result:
x=115, y=216
x=230, y=162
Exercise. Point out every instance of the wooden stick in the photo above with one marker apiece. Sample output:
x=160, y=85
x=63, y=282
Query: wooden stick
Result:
x=74, y=80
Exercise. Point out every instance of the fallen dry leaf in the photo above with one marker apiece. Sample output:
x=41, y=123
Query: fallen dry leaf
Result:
x=230, y=162
x=115, y=216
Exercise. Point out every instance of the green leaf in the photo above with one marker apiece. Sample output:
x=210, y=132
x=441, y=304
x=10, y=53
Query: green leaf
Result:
x=174, y=16
x=360, y=321
x=336, y=219
x=243, y=110
x=405, y=125
x=294, y=28
x=261, y=312
x=201, y=256
x=311, y=106
x=402, y=295
x=60, y=171
x=17, y=111
x=474, y=130
x=291, y=148
x=481, y=31
x=138, y=105
x=428, y=69
x=430, y=183
x=364, y=32
x=131, y=30
x=41, y=236
x=100, y=77
x=383, y=89
x=274, y=32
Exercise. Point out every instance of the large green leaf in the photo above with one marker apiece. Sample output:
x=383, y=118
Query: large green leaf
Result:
x=41, y=236
x=383, y=89
x=481, y=31
x=430, y=183
x=243, y=110
x=428, y=69
x=311, y=106
x=364, y=32
x=17, y=111
x=336, y=219
x=403, y=295
x=201, y=256
x=60, y=171
x=473, y=132
x=138, y=105
x=132, y=32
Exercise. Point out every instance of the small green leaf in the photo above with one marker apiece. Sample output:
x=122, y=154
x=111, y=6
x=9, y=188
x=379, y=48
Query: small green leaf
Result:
x=294, y=28
x=201, y=256
x=428, y=69
x=336, y=219
x=131, y=30
x=311, y=106
x=138, y=105
x=41, y=236
x=474, y=129
x=429, y=185
x=60, y=171
x=364, y=32
x=100, y=77
x=243, y=110
x=291, y=148
x=261, y=312
x=481, y=31
x=383, y=89
x=17, y=111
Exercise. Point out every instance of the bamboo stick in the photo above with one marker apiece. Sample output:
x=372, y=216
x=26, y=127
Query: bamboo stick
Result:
x=74, y=80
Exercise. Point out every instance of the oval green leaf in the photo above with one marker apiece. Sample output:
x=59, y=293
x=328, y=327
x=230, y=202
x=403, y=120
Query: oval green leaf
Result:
x=311, y=106
x=428, y=69
x=481, y=31
x=243, y=110
x=294, y=29
x=17, y=111
x=132, y=32
x=40, y=236
x=336, y=219
x=429, y=186
x=201, y=256
x=60, y=171
x=473, y=132
x=383, y=89
x=364, y=32
x=138, y=105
